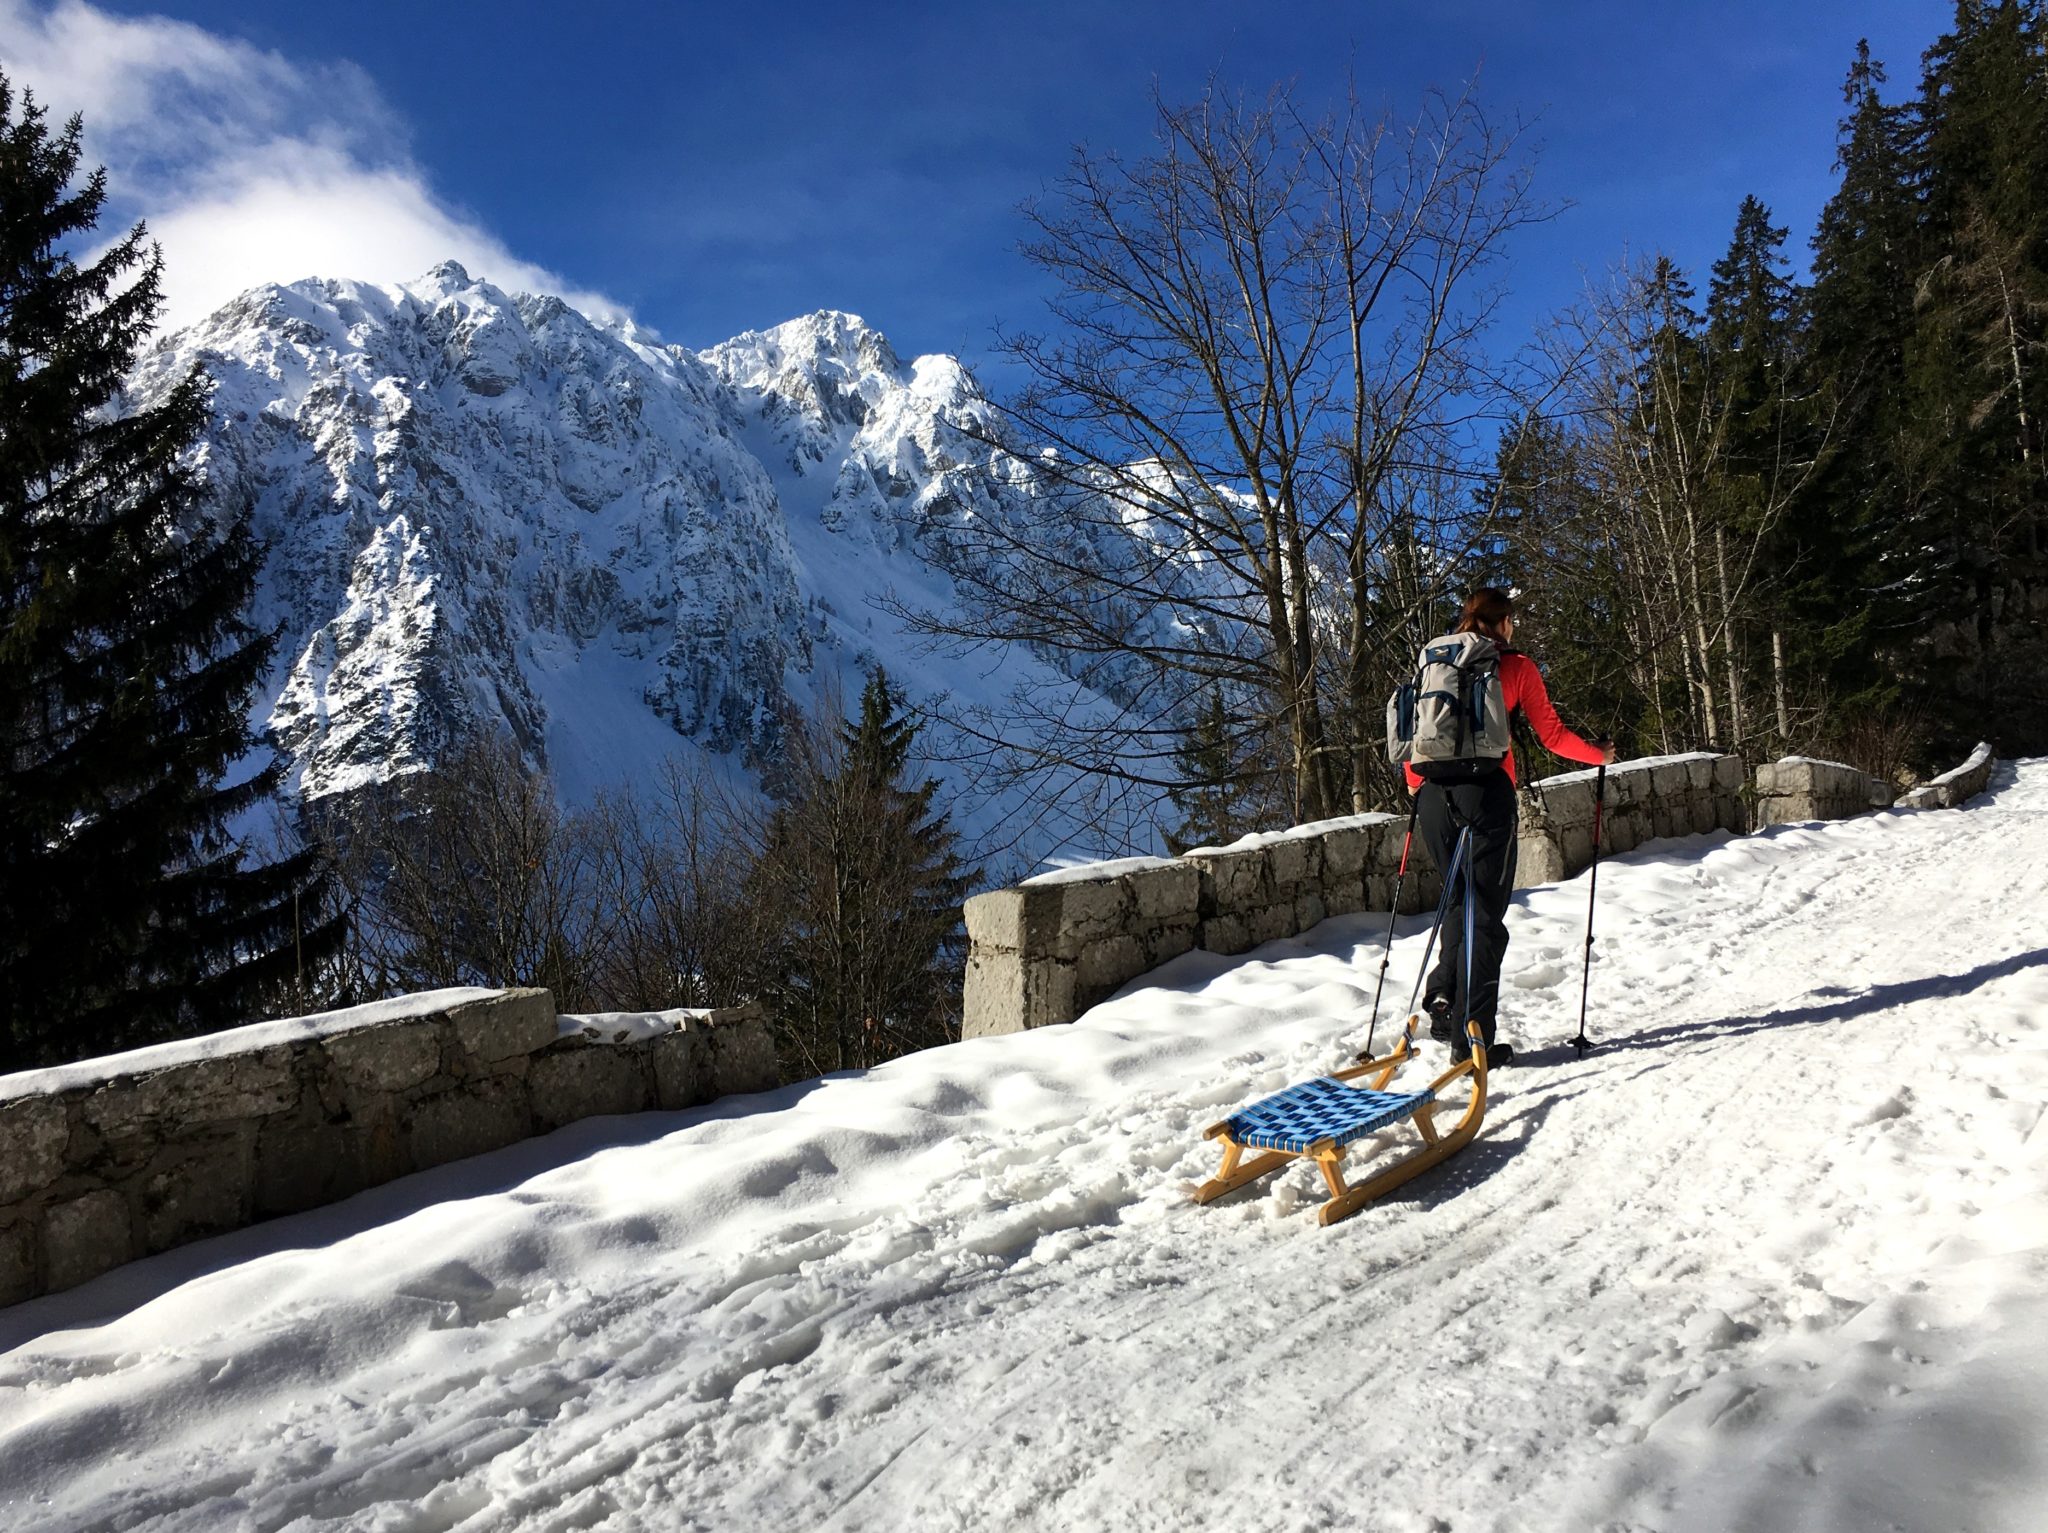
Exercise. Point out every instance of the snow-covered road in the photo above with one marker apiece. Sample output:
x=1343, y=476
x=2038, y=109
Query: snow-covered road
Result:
x=1774, y=1257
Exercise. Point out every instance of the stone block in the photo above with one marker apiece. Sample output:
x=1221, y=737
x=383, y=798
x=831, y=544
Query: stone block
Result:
x=1767, y=779
x=1728, y=775
x=1667, y=780
x=1233, y=883
x=84, y=1237
x=34, y=1132
x=1699, y=775
x=1575, y=849
x=1271, y=924
x=195, y=1187
x=741, y=1056
x=1385, y=855
x=991, y=992
x=1168, y=942
x=1344, y=853
x=1294, y=861
x=250, y=1085
x=1379, y=892
x=1024, y=919
x=1309, y=911
x=1538, y=860
x=1701, y=806
x=1569, y=804
x=308, y=1159
x=473, y=1118
x=393, y=1058
x=580, y=1079
x=1425, y=887
x=1225, y=934
x=17, y=1262
x=1343, y=898
x=682, y=1068
x=502, y=1026
x=1730, y=813
x=1166, y=894
x=1621, y=833
x=1669, y=818
x=1094, y=907
x=1007, y=993
x=1106, y=964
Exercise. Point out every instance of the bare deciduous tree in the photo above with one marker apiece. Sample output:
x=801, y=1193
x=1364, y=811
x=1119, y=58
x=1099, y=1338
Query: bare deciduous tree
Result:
x=1268, y=360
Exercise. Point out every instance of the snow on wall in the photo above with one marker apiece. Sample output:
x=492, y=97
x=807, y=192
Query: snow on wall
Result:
x=1955, y=786
x=114, y=1159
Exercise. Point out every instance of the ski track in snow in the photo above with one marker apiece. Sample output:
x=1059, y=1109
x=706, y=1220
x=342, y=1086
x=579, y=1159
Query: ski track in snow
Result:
x=1771, y=1258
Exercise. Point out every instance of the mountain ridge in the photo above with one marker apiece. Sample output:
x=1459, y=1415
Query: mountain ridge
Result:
x=486, y=511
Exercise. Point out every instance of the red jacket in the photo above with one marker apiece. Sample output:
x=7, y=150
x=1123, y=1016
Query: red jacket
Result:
x=1522, y=686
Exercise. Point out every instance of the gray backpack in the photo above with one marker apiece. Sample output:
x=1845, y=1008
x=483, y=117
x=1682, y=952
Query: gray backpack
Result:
x=1452, y=719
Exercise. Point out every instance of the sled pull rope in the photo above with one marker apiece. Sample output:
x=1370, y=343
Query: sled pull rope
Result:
x=1582, y=1043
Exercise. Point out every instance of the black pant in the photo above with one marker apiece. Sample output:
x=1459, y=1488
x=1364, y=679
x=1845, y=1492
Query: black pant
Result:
x=1487, y=807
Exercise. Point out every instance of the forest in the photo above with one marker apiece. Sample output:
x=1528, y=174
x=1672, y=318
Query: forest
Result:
x=1745, y=509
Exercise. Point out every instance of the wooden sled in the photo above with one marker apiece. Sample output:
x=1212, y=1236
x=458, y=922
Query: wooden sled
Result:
x=1318, y=1119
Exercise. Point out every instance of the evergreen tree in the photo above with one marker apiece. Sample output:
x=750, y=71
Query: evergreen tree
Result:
x=1972, y=362
x=858, y=891
x=1223, y=789
x=1866, y=589
x=1770, y=492
x=127, y=912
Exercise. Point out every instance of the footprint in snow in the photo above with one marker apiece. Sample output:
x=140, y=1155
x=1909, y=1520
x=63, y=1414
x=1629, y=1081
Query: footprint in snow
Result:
x=1538, y=976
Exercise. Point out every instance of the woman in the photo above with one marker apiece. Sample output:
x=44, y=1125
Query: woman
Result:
x=1480, y=795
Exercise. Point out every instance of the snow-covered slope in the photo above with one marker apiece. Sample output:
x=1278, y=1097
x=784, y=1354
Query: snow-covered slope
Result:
x=485, y=511
x=1773, y=1257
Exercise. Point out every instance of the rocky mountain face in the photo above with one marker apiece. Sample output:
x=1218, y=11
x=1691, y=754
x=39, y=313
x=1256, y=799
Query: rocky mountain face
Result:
x=484, y=511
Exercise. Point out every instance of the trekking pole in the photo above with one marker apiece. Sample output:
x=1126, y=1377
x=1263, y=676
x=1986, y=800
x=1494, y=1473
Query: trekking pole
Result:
x=1393, y=914
x=1581, y=1042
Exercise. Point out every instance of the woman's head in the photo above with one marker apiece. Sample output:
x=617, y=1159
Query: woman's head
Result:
x=1489, y=611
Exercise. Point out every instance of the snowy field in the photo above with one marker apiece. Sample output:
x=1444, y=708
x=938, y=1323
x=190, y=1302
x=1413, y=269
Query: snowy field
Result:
x=1774, y=1257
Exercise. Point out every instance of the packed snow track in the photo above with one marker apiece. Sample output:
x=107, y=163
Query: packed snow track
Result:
x=1775, y=1256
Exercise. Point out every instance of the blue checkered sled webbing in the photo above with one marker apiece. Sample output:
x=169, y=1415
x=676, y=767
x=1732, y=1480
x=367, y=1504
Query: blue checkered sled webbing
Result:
x=1296, y=1118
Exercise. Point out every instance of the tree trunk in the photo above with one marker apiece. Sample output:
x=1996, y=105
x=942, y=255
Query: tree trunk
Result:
x=1778, y=688
x=1735, y=731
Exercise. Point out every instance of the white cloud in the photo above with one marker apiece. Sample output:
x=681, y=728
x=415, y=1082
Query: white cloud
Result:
x=248, y=167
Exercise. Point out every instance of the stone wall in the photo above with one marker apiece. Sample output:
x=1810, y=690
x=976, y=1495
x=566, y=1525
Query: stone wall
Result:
x=1800, y=788
x=1662, y=796
x=117, y=1158
x=1046, y=950
x=1956, y=786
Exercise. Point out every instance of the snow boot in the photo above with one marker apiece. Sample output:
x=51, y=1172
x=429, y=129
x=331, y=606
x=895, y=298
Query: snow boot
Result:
x=1498, y=1054
x=1438, y=1008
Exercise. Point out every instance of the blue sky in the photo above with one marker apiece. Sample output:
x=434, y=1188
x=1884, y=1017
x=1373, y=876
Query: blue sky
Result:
x=715, y=167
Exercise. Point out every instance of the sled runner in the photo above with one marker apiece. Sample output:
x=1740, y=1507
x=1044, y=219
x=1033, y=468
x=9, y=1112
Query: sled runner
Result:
x=1319, y=1119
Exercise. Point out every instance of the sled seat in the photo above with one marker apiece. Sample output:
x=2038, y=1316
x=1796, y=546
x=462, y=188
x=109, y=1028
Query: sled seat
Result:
x=1319, y=1118
x=1321, y=1109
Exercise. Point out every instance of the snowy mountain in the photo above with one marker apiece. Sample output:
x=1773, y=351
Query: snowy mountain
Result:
x=1769, y=1259
x=488, y=511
